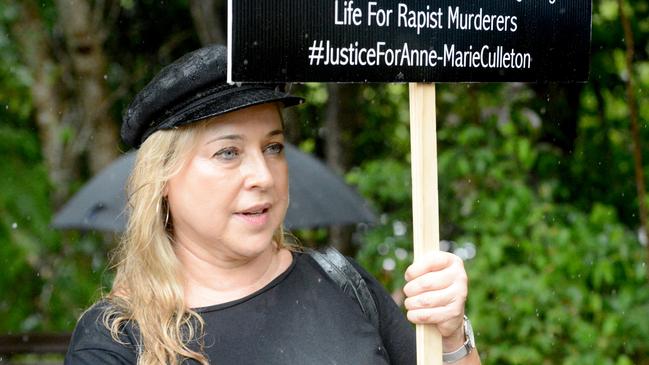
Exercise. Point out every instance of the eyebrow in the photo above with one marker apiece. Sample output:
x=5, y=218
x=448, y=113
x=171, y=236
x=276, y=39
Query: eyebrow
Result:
x=240, y=137
x=275, y=133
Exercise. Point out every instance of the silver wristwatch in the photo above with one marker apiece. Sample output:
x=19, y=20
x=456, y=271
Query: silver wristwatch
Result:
x=465, y=350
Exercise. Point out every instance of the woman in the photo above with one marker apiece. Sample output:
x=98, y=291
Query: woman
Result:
x=203, y=272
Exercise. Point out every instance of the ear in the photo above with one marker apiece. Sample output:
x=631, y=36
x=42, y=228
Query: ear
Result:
x=165, y=191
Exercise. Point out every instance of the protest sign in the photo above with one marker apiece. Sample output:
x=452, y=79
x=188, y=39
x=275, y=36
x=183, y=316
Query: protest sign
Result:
x=416, y=41
x=409, y=41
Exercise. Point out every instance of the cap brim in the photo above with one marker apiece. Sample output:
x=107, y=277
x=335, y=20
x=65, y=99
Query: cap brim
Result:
x=211, y=105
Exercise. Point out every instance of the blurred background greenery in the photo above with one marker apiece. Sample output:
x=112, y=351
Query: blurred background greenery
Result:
x=538, y=182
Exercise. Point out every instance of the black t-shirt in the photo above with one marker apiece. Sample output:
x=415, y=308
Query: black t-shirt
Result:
x=301, y=317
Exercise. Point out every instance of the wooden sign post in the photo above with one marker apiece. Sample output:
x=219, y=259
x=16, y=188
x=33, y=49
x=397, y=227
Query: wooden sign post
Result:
x=416, y=41
x=425, y=202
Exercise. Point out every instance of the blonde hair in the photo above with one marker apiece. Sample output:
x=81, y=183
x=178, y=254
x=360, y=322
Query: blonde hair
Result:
x=147, y=290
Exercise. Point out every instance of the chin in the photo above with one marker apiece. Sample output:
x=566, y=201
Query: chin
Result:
x=255, y=246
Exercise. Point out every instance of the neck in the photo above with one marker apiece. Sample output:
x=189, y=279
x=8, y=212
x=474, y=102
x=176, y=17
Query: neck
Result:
x=211, y=278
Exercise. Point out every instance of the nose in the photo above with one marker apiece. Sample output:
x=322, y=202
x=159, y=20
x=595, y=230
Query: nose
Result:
x=257, y=172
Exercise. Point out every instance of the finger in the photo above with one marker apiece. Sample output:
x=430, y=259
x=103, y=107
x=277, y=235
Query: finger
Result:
x=431, y=261
x=428, y=282
x=448, y=325
x=439, y=298
x=438, y=315
x=436, y=280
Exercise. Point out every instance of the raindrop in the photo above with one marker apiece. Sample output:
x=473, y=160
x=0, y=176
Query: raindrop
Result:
x=14, y=225
x=389, y=264
x=399, y=228
x=642, y=237
x=383, y=249
x=400, y=253
x=461, y=252
x=470, y=250
x=245, y=62
x=105, y=77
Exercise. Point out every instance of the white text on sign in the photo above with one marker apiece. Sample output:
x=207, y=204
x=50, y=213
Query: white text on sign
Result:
x=348, y=14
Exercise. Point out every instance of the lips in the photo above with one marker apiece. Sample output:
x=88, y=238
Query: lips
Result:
x=256, y=215
x=255, y=210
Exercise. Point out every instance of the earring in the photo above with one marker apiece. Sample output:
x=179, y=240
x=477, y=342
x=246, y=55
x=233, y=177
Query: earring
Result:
x=165, y=206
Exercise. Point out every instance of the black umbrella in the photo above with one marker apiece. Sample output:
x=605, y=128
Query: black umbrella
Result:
x=318, y=197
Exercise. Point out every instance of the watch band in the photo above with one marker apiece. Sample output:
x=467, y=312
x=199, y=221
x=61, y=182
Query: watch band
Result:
x=465, y=349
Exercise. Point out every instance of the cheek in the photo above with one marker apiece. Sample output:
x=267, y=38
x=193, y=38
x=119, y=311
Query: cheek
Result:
x=280, y=175
x=198, y=189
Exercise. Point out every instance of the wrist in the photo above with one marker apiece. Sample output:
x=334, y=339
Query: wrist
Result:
x=463, y=350
x=454, y=341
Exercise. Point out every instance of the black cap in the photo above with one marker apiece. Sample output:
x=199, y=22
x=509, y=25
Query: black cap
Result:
x=190, y=89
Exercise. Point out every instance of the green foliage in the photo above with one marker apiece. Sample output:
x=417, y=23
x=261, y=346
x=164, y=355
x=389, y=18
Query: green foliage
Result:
x=550, y=284
x=38, y=263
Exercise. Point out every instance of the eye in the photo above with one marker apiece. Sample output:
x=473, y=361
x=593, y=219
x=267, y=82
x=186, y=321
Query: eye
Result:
x=274, y=148
x=227, y=154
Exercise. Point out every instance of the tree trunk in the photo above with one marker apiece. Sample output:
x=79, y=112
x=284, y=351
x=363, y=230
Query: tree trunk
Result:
x=84, y=36
x=30, y=34
x=633, y=111
x=340, y=116
x=207, y=20
x=82, y=105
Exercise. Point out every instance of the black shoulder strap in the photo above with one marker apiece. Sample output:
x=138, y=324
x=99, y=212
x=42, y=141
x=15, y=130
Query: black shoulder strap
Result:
x=348, y=279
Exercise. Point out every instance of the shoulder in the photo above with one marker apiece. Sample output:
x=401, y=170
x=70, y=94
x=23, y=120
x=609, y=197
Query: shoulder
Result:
x=346, y=271
x=92, y=341
x=397, y=333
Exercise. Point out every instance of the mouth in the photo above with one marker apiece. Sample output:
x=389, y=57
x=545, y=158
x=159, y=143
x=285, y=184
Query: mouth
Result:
x=256, y=215
x=256, y=210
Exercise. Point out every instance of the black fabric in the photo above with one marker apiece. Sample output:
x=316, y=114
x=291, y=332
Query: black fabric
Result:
x=301, y=317
x=348, y=279
x=192, y=88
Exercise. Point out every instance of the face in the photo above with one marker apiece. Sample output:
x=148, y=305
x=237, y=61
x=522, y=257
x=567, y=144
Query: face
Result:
x=232, y=193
